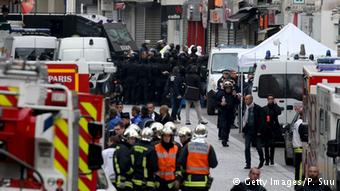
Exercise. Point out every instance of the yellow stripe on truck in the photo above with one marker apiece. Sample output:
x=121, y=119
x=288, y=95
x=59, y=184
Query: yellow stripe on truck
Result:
x=83, y=123
x=62, y=126
x=83, y=145
x=60, y=168
x=61, y=148
x=4, y=101
x=62, y=71
x=82, y=186
x=91, y=110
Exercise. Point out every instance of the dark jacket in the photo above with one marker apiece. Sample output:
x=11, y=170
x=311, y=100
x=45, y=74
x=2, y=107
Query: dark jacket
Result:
x=164, y=119
x=193, y=79
x=179, y=87
x=123, y=166
x=258, y=121
x=272, y=125
x=245, y=187
x=313, y=187
x=140, y=151
x=231, y=100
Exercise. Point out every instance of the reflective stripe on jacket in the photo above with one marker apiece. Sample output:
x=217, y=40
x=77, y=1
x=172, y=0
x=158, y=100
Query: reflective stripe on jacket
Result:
x=166, y=162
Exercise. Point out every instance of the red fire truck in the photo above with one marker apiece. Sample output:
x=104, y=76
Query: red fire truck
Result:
x=49, y=129
x=326, y=71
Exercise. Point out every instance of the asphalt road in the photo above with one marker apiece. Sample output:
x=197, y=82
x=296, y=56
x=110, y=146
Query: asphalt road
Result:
x=279, y=151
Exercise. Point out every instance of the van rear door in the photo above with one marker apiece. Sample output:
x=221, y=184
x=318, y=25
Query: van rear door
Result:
x=294, y=87
x=270, y=79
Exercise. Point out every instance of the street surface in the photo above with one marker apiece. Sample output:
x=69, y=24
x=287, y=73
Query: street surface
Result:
x=232, y=161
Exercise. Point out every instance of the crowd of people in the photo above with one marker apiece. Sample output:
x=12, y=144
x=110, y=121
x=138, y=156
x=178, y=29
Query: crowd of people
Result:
x=148, y=75
x=142, y=147
x=141, y=153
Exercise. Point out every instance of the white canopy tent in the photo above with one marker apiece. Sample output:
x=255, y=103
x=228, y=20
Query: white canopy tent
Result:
x=287, y=41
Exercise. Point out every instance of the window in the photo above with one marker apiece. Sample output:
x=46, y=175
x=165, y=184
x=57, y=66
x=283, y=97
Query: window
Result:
x=322, y=122
x=34, y=53
x=327, y=120
x=224, y=61
x=281, y=86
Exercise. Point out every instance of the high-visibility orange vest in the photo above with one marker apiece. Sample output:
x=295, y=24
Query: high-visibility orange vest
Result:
x=166, y=162
x=198, y=158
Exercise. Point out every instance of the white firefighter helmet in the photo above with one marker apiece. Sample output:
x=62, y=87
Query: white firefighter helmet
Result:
x=185, y=131
x=167, y=131
x=172, y=126
x=147, y=134
x=156, y=127
x=130, y=133
x=201, y=131
x=135, y=127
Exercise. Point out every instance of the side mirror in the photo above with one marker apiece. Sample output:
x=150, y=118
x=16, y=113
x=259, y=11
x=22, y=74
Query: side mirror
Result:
x=95, y=130
x=333, y=147
x=95, y=158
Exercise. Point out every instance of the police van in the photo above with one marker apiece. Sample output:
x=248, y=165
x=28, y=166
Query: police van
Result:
x=89, y=48
x=221, y=58
x=30, y=47
x=282, y=78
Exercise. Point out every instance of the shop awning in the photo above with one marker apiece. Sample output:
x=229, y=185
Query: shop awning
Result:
x=244, y=14
x=238, y=17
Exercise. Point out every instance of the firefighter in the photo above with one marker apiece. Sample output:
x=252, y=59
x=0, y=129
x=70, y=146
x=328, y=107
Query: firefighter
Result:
x=144, y=162
x=197, y=158
x=297, y=145
x=173, y=127
x=185, y=135
x=156, y=127
x=226, y=102
x=122, y=161
x=168, y=175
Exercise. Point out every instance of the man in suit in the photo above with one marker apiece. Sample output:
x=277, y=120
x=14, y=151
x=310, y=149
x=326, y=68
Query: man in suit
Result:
x=252, y=128
x=153, y=114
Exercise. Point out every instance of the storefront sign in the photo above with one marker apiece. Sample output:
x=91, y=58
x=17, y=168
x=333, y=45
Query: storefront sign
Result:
x=172, y=12
x=106, y=5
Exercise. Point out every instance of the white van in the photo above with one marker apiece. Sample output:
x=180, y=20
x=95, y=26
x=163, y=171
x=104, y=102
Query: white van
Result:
x=220, y=59
x=30, y=47
x=282, y=78
x=88, y=48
